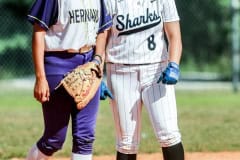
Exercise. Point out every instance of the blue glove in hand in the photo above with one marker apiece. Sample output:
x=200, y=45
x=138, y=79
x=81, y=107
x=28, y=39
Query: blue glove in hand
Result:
x=105, y=92
x=171, y=74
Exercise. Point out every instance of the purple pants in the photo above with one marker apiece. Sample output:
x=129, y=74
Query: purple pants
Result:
x=61, y=106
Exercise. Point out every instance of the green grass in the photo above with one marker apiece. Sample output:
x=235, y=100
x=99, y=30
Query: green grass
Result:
x=208, y=120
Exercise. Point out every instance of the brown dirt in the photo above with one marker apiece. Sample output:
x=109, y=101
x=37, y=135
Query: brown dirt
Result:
x=158, y=156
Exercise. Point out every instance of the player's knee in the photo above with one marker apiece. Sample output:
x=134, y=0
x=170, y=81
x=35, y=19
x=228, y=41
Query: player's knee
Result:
x=167, y=139
x=83, y=145
x=51, y=145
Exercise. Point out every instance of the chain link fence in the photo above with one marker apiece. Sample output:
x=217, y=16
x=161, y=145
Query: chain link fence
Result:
x=206, y=34
x=15, y=44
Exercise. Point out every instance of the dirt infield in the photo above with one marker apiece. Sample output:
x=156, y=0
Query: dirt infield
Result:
x=158, y=156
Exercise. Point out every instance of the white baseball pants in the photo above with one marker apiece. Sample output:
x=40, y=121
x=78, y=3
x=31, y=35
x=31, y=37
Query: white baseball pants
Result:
x=134, y=86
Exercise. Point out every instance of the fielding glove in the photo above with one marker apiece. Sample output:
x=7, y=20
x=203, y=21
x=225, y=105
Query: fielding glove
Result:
x=105, y=92
x=82, y=83
x=170, y=75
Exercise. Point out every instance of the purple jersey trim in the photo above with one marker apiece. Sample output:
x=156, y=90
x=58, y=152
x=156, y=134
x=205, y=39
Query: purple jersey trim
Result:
x=44, y=13
x=105, y=18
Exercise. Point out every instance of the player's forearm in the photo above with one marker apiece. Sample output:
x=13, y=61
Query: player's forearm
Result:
x=175, y=51
x=38, y=52
x=101, y=44
x=175, y=42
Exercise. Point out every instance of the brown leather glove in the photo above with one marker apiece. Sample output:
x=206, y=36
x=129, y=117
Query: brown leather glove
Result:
x=83, y=82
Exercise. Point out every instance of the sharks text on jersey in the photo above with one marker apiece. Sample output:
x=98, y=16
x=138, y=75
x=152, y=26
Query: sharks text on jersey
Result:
x=127, y=25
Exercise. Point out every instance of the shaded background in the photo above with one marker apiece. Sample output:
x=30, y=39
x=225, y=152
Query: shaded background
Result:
x=209, y=119
x=206, y=33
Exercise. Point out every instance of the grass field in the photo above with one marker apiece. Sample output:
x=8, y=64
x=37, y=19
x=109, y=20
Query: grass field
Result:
x=209, y=121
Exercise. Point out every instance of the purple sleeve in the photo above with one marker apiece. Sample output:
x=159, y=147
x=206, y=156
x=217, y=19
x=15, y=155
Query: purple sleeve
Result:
x=44, y=13
x=105, y=18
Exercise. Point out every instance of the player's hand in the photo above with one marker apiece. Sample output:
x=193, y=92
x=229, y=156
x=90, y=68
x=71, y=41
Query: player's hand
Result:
x=41, y=90
x=171, y=74
x=105, y=92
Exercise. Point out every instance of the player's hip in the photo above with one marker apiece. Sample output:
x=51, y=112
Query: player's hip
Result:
x=144, y=74
x=57, y=63
x=142, y=67
x=135, y=60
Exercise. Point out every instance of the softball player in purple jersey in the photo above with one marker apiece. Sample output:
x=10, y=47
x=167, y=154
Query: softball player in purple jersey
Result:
x=142, y=70
x=66, y=33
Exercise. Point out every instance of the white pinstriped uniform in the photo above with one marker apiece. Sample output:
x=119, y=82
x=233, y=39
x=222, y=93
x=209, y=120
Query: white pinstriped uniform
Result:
x=136, y=56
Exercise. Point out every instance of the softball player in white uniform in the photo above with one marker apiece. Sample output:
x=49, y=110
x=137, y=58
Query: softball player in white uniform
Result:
x=141, y=69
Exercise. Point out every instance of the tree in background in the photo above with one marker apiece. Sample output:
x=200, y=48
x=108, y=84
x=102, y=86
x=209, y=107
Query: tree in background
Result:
x=205, y=27
x=206, y=34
